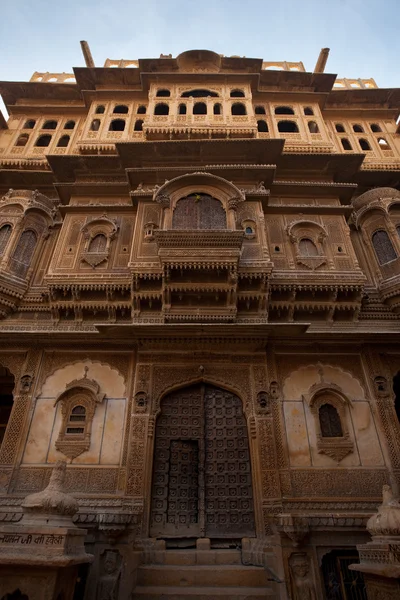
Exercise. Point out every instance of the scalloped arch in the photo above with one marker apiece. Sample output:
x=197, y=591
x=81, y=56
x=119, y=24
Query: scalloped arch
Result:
x=300, y=382
x=199, y=178
x=110, y=380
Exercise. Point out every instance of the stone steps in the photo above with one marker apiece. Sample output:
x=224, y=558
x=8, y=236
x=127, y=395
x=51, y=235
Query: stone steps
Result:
x=202, y=593
x=214, y=575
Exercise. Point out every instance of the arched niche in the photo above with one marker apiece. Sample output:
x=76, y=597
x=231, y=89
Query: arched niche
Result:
x=199, y=183
x=111, y=382
x=299, y=382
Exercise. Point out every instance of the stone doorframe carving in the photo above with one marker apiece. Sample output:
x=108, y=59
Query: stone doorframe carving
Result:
x=171, y=378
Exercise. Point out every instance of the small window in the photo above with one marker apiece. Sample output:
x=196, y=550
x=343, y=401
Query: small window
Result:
x=313, y=127
x=383, y=247
x=43, y=141
x=63, y=141
x=98, y=243
x=141, y=110
x=284, y=110
x=398, y=230
x=50, y=125
x=100, y=109
x=5, y=233
x=308, y=111
x=358, y=128
x=259, y=110
x=22, y=139
x=375, y=128
x=383, y=143
x=237, y=94
x=69, y=125
x=200, y=108
x=238, y=109
x=364, y=145
x=262, y=126
x=199, y=94
x=182, y=109
x=307, y=247
x=117, y=125
x=163, y=94
x=30, y=124
x=77, y=421
x=249, y=230
x=161, y=109
x=217, y=109
x=95, y=125
x=339, y=128
x=121, y=109
x=138, y=125
x=287, y=127
x=329, y=421
x=346, y=144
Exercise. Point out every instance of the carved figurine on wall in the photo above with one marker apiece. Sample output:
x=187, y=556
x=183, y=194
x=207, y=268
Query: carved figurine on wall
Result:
x=108, y=586
x=302, y=581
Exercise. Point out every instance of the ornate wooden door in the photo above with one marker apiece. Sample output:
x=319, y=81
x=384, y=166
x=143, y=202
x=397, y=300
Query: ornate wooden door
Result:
x=201, y=473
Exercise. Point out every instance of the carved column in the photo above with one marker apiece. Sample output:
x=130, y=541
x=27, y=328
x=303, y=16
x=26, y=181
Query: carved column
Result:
x=23, y=394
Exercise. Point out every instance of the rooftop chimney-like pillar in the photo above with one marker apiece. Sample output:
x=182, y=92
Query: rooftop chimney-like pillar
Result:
x=321, y=62
x=87, y=55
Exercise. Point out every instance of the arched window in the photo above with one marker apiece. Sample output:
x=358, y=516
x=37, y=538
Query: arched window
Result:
x=121, y=109
x=98, y=243
x=339, y=128
x=259, y=110
x=30, y=124
x=237, y=94
x=383, y=247
x=308, y=111
x=287, y=127
x=163, y=94
x=262, y=126
x=313, y=127
x=364, y=145
x=22, y=139
x=346, y=144
x=383, y=143
x=199, y=211
x=63, y=141
x=238, y=109
x=138, y=125
x=43, y=141
x=95, y=125
x=284, y=110
x=329, y=421
x=396, y=389
x=69, y=125
x=5, y=233
x=50, y=125
x=398, y=230
x=141, y=110
x=100, y=109
x=161, y=109
x=375, y=128
x=217, y=109
x=182, y=109
x=76, y=422
x=17, y=595
x=117, y=125
x=23, y=253
x=307, y=247
x=358, y=128
x=200, y=108
x=199, y=94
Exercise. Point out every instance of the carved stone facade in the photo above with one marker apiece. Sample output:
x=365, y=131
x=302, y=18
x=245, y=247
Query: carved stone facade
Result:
x=199, y=311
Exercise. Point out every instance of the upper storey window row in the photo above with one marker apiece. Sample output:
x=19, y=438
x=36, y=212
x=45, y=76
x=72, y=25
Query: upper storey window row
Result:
x=49, y=124
x=200, y=93
x=200, y=108
x=358, y=128
x=119, y=109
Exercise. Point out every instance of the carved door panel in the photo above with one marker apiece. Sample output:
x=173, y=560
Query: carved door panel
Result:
x=228, y=487
x=201, y=473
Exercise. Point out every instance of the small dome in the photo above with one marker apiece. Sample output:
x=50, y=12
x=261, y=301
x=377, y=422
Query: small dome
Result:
x=194, y=61
x=375, y=194
x=387, y=521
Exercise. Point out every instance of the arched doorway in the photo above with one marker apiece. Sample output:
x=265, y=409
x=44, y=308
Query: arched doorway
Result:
x=202, y=484
x=6, y=399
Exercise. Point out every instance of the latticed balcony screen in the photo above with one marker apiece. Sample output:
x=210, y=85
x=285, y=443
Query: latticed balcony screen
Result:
x=23, y=253
x=383, y=247
x=199, y=211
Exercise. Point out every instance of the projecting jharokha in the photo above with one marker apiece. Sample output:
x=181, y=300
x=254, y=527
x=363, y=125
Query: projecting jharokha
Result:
x=199, y=332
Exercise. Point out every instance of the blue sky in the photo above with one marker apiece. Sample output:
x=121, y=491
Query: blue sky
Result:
x=43, y=35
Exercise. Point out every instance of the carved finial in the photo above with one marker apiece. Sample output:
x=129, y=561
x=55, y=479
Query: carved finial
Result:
x=85, y=370
x=201, y=369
